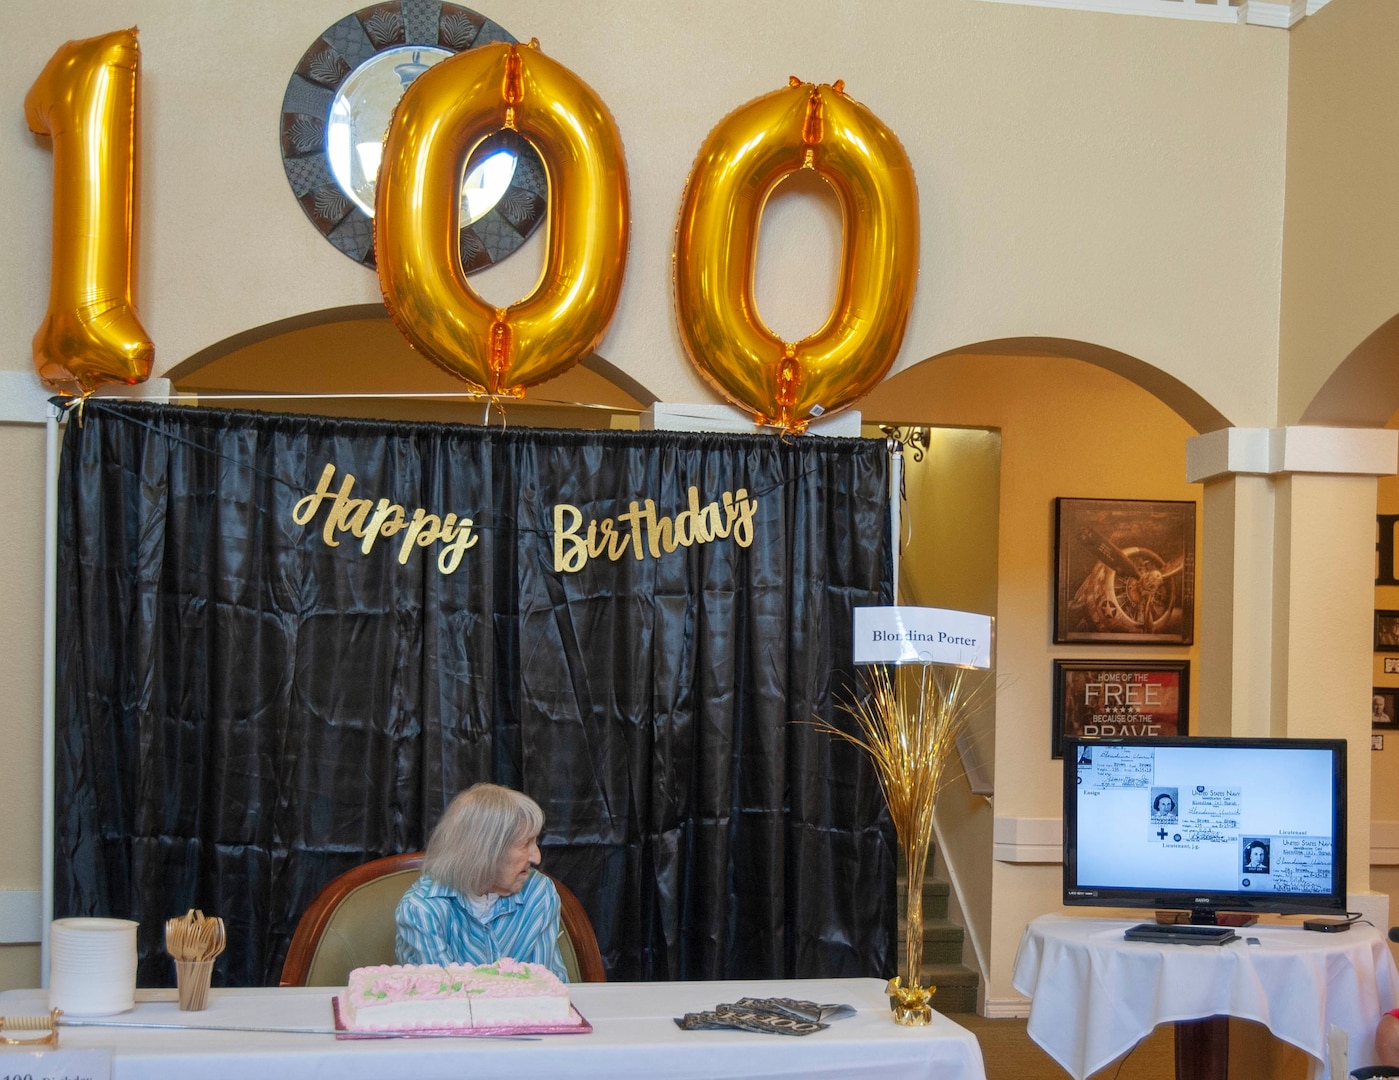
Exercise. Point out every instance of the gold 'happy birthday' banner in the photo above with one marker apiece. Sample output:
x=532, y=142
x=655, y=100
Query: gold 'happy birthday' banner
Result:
x=640, y=529
x=730, y=515
x=368, y=520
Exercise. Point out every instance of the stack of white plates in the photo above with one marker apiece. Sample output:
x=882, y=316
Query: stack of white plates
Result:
x=92, y=966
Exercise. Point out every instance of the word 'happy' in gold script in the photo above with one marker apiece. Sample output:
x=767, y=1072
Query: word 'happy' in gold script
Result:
x=368, y=520
x=641, y=530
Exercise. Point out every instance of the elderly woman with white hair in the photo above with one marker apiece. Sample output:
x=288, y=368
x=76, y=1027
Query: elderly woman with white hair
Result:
x=479, y=898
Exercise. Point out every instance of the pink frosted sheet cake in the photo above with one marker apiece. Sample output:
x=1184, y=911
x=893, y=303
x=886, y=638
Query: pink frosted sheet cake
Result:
x=466, y=997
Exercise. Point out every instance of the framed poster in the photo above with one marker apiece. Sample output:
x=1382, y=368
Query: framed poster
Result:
x=1384, y=707
x=1119, y=697
x=1386, y=631
x=1124, y=572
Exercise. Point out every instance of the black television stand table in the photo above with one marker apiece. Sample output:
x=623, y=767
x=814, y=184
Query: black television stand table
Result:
x=1094, y=995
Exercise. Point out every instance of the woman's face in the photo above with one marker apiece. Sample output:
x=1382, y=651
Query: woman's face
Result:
x=1164, y=805
x=515, y=865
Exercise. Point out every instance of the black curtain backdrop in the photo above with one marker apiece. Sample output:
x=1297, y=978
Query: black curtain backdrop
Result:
x=250, y=703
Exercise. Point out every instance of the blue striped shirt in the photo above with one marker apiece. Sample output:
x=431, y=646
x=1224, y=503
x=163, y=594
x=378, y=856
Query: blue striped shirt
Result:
x=437, y=926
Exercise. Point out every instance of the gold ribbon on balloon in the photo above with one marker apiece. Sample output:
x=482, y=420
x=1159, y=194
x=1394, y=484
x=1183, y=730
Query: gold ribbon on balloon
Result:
x=85, y=99
x=440, y=119
x=745, y=157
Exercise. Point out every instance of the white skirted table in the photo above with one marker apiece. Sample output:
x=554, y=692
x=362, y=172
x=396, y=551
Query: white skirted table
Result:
x=1093, y=996
x=634, y=1035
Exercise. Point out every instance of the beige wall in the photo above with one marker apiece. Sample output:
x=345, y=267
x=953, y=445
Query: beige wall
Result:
x=21, y=670
x=1092, y=177
x=1340, y=273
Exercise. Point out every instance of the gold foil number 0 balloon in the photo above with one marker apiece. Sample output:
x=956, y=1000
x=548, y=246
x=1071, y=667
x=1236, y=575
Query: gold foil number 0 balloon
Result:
x=85, y=98
x=442, y=116
x=751, y=150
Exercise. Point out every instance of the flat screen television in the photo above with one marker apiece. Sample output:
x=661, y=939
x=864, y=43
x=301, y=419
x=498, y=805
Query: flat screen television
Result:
x=1206, y=825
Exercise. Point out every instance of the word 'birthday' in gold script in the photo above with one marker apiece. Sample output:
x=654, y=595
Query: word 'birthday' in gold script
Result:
x=641, y=530
x=368, y=520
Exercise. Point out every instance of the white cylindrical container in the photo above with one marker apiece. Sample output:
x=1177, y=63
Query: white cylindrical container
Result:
x=92, y=966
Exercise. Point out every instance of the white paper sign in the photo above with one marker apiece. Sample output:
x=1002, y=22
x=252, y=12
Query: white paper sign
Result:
x=922, y=635
x=60, y=1064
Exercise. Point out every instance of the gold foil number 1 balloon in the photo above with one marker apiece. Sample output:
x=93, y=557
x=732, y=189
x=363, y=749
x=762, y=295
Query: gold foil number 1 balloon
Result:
x=441, y=117
x=85, y=98
x=745, y=157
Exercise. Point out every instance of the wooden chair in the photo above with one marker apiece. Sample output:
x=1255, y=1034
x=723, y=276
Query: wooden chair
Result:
x=350, y=924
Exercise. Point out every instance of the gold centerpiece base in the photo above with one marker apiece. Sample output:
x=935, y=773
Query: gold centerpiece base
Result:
x=910, y=1005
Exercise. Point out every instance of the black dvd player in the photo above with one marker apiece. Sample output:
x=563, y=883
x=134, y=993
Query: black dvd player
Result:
x=1181, y=933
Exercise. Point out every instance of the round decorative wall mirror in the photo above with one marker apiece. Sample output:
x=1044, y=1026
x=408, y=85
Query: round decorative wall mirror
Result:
x=337, y=109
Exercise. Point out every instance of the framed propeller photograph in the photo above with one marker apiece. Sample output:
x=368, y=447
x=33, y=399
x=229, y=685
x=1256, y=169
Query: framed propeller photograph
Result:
x=1124, y=572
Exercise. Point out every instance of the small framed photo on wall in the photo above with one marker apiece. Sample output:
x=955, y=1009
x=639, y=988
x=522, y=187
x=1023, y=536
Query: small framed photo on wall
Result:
x=1119, y=697
x=1386, y=630
x=1384, y=707
x=1124, y=572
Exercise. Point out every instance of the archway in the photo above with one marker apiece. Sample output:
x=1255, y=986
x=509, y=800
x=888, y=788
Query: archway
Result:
x=352, y=361
x=1179, y=398
x=1363, y=391
x=1072, y=419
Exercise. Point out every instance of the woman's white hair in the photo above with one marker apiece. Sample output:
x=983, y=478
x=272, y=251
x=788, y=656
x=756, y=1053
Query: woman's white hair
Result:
x=468, y=845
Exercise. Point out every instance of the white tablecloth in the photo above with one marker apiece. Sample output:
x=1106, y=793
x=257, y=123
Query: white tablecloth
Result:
x=1094, y=995
x=634, y=1035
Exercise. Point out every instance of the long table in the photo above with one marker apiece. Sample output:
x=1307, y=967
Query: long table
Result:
x=634, y=1035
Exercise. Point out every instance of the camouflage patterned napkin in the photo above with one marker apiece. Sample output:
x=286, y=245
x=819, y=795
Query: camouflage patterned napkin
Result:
x=770, y=1016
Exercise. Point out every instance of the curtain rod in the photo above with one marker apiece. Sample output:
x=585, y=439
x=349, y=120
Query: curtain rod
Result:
x=465, y=395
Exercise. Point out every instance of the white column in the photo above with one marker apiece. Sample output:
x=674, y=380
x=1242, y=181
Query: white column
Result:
x=1236, y=607
x=1287, y=591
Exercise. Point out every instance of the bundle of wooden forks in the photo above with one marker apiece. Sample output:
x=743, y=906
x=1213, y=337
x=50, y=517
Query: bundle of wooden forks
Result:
x=193, y=941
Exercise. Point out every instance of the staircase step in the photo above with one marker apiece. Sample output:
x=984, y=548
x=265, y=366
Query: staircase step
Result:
x=957, y=986
x=942, y=942
x=935, y=895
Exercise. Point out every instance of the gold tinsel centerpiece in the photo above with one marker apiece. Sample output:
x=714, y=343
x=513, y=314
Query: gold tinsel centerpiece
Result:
x=910, y=736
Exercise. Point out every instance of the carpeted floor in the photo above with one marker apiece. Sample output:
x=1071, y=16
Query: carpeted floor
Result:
x=1010, y=1055
x=1253, y=1054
